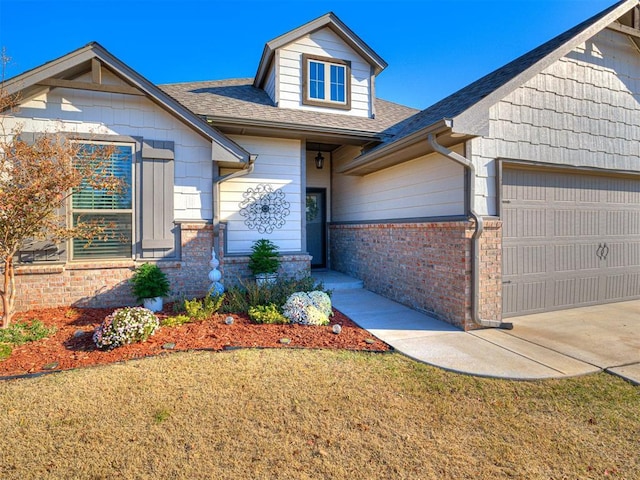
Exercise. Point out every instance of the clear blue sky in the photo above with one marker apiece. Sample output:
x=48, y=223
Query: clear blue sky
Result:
x=433, y=48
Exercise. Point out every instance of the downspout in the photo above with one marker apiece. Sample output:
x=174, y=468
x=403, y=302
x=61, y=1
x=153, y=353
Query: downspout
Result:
x=477, y=233
x=247, y=168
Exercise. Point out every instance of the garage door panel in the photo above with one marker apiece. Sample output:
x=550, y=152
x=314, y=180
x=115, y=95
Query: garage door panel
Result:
x=568, y=240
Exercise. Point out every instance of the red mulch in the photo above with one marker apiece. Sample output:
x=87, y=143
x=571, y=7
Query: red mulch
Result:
x=72, y=345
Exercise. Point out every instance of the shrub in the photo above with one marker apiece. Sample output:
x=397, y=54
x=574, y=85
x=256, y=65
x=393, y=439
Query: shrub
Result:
x=149, y=282
x=311, y=308
x=124, y=326
x=23, y=332
x=5, y=351
x=264, y=257
x=201, y=309
x=175, y=321
x=267, y=314
x=249, y=294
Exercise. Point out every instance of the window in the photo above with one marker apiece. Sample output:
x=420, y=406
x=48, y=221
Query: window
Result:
x=113, y=209
x=326, y=82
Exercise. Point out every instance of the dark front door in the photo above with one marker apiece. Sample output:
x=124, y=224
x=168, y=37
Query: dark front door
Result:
x=316, y=226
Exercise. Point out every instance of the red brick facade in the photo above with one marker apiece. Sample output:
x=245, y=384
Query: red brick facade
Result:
x=106, y=284
x=426, y=266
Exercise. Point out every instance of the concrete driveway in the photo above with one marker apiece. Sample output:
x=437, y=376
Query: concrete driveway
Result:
x=606, y=336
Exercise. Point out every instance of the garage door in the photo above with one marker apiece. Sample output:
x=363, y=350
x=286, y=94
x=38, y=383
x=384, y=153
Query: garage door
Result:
x=569, y=240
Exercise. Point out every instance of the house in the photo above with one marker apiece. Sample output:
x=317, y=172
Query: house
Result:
x=518, y=194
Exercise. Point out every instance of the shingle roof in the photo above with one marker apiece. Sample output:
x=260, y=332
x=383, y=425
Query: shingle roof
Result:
x=238, y=100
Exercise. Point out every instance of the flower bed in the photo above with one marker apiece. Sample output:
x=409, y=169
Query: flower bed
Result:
x=72, y=345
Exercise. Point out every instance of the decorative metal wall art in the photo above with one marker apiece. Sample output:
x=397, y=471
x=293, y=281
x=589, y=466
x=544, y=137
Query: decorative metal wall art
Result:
x=264, y=208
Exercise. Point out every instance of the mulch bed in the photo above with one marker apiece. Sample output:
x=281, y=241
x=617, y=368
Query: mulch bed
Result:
x=72, y=345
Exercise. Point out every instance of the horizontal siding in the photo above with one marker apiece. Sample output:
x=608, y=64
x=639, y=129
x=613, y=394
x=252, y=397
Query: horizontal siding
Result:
x=98, y=113
x=581, y=111
x=323, y=43
x=425, y=187
x=270, y=85
x=278, y=165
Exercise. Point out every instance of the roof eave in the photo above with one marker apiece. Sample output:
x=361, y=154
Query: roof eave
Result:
x=300, y=129
x=405, y=149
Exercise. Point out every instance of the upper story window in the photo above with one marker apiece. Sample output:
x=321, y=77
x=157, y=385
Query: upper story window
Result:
x=326, y=82
x=114, y=210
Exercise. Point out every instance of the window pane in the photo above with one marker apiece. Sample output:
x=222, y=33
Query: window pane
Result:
x=316, y=80
x=337, y=83
x=118, y=245
x=119, y=165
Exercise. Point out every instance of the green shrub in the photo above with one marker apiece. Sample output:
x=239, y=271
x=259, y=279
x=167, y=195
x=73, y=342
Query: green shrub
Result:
x=23, y=332
x=175, y=321
x=124, y=326
x=235, y=300
x=5, y=351
x=205, y=308
x=267, y=314
x=264, y=257
x=249, y=294
x=149, y=282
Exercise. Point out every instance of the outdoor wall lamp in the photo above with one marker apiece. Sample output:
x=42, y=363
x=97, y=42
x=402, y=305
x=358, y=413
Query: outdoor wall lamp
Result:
x=319, y=161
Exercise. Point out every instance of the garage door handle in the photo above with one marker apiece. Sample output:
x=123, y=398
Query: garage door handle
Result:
x=603, y=251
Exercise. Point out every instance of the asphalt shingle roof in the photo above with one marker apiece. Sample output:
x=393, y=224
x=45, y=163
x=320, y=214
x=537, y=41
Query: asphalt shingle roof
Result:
x=238, y=99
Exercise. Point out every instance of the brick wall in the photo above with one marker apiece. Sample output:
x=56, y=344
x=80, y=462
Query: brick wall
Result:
x=106, y=284
x=426, y=266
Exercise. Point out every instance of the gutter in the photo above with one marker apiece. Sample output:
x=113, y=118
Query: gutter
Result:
x=477, y=233
x=247, y=168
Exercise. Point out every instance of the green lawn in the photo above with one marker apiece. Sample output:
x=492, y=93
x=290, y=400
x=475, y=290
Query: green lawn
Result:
x=299, y=414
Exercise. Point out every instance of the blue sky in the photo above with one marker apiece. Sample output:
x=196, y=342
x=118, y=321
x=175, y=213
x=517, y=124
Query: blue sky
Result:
x=433, y=48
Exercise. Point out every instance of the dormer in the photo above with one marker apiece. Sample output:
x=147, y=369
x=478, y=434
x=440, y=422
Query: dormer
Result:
x=321, y=66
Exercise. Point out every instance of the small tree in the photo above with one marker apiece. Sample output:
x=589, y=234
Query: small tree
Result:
x=36, y=179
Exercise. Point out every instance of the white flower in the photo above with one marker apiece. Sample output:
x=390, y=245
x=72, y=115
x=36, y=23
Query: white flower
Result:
x=311, y=308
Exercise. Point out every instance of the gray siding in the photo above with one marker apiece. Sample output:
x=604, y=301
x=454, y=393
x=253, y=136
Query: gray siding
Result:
x=581, y=111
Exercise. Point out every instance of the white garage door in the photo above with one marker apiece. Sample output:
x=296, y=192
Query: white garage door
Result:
x=569, y=240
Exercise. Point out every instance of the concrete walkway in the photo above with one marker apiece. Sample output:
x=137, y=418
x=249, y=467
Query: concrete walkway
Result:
x=550, y=345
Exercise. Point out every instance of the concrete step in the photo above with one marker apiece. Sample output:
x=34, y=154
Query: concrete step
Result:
x=336, y=281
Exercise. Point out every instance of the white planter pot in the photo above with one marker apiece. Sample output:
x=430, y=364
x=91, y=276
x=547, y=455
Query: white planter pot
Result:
x=153, y=304
x=266, y=278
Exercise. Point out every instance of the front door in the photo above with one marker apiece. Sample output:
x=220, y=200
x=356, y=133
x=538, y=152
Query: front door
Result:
x=316, y=226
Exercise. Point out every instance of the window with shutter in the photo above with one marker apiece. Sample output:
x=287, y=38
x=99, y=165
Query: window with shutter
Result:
x=108, y=208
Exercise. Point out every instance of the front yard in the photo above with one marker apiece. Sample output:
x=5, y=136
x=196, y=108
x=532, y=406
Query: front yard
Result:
x=312, y=414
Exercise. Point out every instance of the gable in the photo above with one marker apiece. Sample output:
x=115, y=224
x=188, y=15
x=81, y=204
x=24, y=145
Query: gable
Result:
x=580, y=111
x=93, y=69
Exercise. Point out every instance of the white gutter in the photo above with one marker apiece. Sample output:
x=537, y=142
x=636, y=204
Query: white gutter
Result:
x=477, y=233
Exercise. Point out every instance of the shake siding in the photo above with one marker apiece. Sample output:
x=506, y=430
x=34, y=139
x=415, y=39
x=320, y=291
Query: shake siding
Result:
x=324, y=43
x=98, y=113
x=428, y=186
x=581, y=111
x=278, y=165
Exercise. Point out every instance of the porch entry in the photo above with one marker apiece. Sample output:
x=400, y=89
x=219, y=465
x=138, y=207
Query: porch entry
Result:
x=316, y=214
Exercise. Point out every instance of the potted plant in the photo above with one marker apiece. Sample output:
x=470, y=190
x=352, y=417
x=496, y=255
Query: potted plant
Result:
x=150, y=284
x=264, y=261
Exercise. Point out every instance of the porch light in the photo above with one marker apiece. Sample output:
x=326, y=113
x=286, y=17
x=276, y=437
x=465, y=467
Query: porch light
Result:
x=319, y=161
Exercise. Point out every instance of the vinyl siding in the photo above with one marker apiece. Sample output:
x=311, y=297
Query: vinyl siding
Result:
x=270, y=85
x=323, y=43
x=428, y=186
x=279, y=165
x=97, y=113
x=581, y=111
